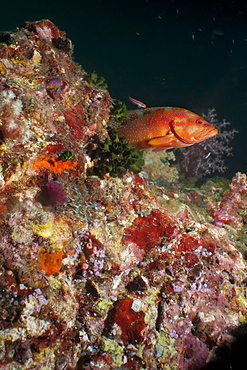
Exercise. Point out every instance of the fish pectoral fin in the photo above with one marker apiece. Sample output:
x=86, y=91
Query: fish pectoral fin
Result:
x=162, y=140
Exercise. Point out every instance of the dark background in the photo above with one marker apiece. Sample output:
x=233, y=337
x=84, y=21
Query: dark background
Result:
x=191, y=54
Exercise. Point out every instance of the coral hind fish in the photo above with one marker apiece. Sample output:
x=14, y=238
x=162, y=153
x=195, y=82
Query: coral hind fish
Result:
x=164, y=128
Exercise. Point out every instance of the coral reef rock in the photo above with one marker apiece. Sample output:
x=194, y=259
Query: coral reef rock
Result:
x=97, y=273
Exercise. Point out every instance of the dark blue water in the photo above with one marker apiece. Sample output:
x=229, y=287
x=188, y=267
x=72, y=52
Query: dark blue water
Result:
x=188, y=54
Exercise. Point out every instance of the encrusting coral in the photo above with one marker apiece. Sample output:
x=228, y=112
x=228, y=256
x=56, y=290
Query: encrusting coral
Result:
x=96, y=271
x=233, y=201
x=158, y=166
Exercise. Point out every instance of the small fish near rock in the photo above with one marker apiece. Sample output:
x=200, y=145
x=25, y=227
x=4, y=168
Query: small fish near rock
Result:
x=164, y=128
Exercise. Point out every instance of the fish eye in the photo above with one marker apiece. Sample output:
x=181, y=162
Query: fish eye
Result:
x=199, y=121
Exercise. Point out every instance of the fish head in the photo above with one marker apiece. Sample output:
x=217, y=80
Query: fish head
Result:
x=192, y=129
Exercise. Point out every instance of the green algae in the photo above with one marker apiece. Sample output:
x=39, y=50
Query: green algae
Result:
x=94, y=79
x=119, y=110
x=115, y=156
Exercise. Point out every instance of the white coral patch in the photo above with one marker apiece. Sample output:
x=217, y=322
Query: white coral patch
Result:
x=17, y=107
x=136, y=305
x=12, y=125
x=6, y=96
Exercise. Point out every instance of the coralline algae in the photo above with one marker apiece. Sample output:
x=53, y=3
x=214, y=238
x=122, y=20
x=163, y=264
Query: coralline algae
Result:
x=98, y=273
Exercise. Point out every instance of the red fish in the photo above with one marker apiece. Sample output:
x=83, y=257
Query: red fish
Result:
x=164, y=128
x=139, y=103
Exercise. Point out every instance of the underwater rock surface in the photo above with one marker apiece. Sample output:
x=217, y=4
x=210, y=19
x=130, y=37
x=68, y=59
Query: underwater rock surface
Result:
x=99, y=273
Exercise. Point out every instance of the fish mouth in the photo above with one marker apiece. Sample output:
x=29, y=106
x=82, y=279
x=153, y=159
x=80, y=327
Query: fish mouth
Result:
x=208, y=134
x=212, y=132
